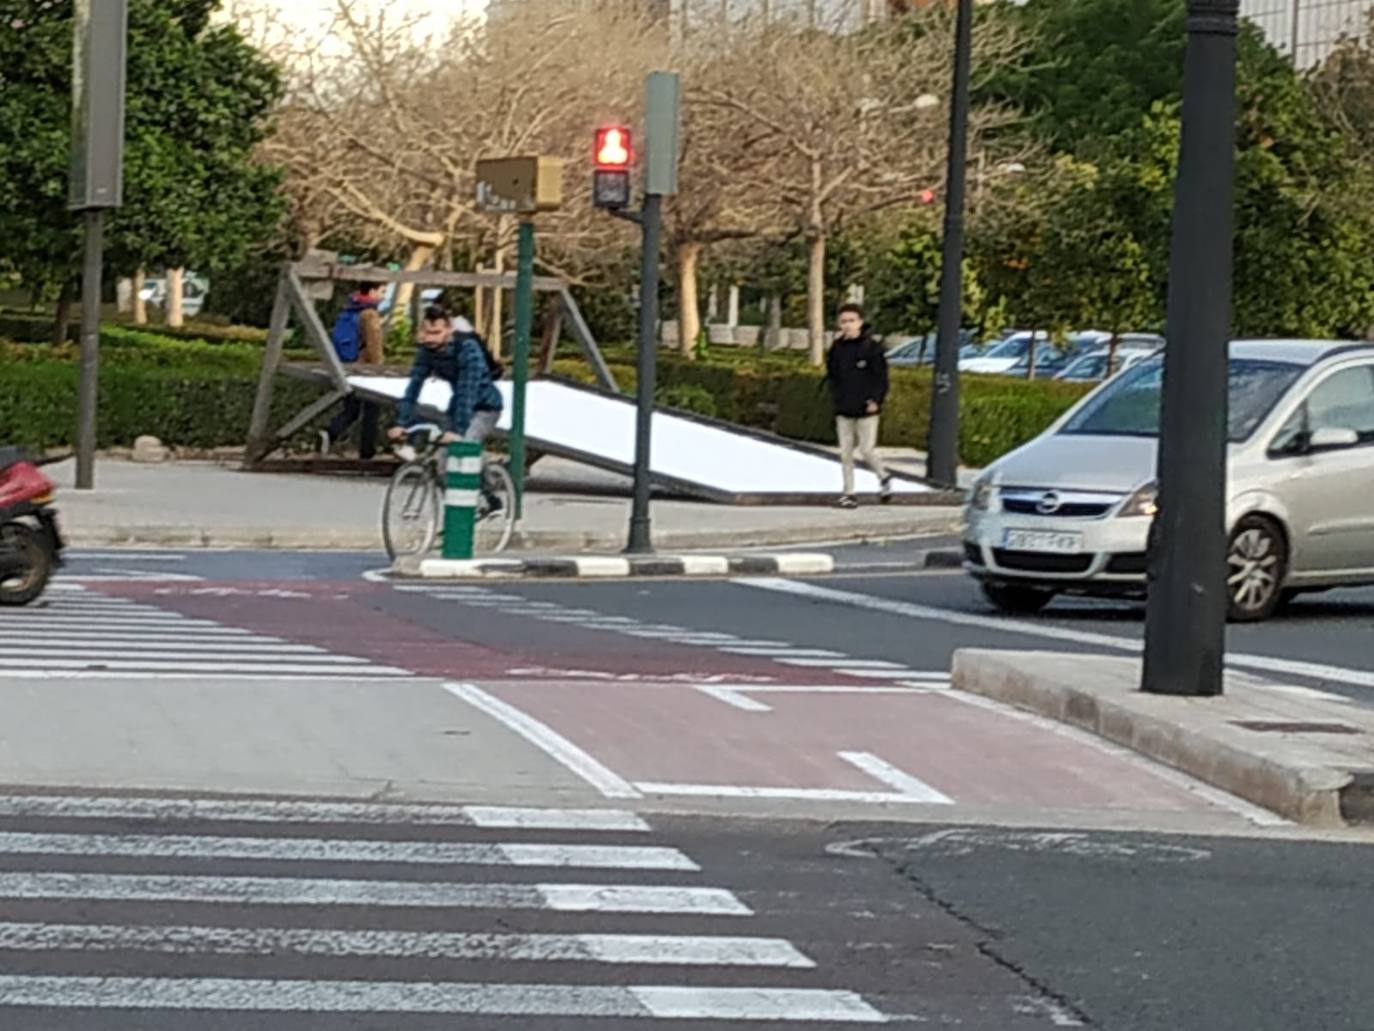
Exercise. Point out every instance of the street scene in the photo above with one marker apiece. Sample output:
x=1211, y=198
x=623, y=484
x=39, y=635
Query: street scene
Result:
x=847, y=513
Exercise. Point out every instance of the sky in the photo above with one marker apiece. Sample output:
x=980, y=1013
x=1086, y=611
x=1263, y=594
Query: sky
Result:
x=310, y=20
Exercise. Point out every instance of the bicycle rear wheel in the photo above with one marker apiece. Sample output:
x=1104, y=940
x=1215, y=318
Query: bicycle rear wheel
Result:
x=411, y=511
x=496, y=523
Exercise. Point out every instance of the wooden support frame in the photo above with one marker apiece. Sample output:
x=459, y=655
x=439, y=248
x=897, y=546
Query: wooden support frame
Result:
x=297, y=292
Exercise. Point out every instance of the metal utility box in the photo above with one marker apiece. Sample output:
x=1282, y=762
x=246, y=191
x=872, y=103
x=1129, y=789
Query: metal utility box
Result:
x=98, y=59
x=520, y=186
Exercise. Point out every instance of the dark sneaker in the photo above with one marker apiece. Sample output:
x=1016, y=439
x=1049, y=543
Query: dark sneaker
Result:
x=885, y=489
x=491, y=503
x=847, y=501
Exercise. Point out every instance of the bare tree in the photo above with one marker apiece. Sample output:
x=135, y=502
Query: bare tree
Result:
x=853, y=124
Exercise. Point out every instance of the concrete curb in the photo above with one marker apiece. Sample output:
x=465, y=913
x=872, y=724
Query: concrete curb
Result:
x=599, y=567
x=1306, y=759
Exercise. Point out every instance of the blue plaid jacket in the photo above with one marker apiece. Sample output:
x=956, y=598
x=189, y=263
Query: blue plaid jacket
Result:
x=462, y=364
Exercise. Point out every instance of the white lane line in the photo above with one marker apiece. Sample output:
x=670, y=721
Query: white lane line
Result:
x=733, y=698
x=505, y=818
x=912, y=787
x=873, y=674
x=291, y=811
x=297, y=669
x=137, y=651
x=548, y=740
x=229, y=635
x=126, y=556
x=1301, y=692
x=124, y=623
x=142, y=644
x=847, y=663
x=922, y=687
x=318, y=891
x=1266, y=664
x=793, y=1005
x=331, y=850
x=374, y=672
x=783, y=651
x=773, y=793
x=649, y=949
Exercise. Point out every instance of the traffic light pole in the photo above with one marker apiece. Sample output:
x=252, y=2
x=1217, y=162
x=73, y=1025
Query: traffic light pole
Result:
x=1185, y=622
x=88, y=385
x=641, y=527
x=942, y=462
x=524, y=319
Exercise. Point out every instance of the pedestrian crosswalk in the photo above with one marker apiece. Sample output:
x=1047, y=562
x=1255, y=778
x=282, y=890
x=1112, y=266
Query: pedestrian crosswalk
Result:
x=81, y=633
x=119, y=910
x=784, y=653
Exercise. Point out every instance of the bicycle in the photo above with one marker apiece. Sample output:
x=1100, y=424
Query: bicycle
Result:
x=413, y=510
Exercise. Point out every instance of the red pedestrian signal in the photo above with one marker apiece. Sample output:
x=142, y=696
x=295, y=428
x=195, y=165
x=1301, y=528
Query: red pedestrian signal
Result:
x=927, y=196
x=613, y=147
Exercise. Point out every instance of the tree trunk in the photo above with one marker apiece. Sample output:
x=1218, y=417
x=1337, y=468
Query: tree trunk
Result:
x=62, y=318
x=497, y=314
x=772, y=339
x=732, y=306
x=140, y=305
x=479, y=303
x=1112, y=345
x=420, y=254
x=815, y=299
x=1030, y=358
x=176, y=282
x=688, y=311
x=124, y=295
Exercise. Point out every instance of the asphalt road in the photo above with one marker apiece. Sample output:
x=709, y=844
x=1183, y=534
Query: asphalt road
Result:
x=942, y=862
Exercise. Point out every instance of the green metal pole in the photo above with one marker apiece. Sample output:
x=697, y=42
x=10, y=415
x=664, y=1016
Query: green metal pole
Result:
x=524, y=319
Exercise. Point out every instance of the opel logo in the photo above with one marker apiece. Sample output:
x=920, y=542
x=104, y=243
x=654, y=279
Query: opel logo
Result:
x=1049, y=503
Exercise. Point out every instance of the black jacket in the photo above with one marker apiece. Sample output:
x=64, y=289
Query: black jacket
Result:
x=856, y=373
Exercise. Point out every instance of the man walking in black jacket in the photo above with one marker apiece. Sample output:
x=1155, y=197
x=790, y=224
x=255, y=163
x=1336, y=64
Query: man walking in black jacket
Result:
x=856, y=372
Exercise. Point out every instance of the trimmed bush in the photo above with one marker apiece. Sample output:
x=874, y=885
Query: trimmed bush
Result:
x=688, y=398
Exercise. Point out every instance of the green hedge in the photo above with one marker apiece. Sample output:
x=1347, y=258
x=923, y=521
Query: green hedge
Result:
x=37, y=327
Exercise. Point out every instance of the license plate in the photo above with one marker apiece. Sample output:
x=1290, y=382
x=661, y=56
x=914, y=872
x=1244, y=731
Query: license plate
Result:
x=1043, y=540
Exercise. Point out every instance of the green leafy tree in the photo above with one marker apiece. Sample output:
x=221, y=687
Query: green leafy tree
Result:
x=198, y=102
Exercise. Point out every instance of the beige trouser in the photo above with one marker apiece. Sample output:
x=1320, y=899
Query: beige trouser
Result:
x=862, y=434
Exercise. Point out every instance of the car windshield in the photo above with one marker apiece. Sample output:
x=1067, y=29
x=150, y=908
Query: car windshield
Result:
x=1129, y=405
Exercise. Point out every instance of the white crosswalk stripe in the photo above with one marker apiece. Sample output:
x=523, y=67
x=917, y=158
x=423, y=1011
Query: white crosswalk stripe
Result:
x=104, y=941
x=79, y=633
x=781, y=652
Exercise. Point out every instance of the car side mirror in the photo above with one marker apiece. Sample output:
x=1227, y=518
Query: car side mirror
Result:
x=1332, y=438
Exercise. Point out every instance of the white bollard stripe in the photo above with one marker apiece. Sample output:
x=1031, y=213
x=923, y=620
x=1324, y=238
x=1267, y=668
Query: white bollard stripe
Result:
x=456, y=498
x=792, y=1005
x=648, y=949
x=294, y=891
x=469, y=466
x=271, y=811
x=328, y=850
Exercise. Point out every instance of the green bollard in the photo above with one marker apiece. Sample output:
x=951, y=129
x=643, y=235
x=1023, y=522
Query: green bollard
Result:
x=462, y=485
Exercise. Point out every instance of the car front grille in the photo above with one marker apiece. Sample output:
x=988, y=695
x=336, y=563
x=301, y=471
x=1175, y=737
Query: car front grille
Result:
x=1066, y=509
x=1041, y=562
x=1135, y=563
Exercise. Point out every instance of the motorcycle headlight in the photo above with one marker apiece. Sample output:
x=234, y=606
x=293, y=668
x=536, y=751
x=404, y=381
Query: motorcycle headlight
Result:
x=1144, y=502
x=980, y=498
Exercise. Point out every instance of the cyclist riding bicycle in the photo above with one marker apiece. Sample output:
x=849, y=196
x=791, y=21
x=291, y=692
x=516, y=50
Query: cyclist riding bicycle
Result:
x=454, y=353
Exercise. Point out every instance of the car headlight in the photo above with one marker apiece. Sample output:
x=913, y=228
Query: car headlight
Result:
x=980, y=497
x=1144, y=502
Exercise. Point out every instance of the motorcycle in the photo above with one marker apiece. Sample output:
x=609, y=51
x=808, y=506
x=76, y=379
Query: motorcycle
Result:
x=30, y=542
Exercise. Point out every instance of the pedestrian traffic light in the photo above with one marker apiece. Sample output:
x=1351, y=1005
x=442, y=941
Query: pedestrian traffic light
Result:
x=612, y=156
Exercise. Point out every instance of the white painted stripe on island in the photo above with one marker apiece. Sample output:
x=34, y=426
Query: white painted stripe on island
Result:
x=602, y=565
x=773, y=793
x=548, y=740
x=911, y=787
x=702, y=565
x=318, y=891
x=235, y=666
x=804, y=564
x=846, y=662
x=733, y=697
x=293, y=811
x=644, y=949
x=330, y=850
x=792, y=1005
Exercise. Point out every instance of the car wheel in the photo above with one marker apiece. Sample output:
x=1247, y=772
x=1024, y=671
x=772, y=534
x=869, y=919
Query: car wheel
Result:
x=1020, y=601
x=1256, y=565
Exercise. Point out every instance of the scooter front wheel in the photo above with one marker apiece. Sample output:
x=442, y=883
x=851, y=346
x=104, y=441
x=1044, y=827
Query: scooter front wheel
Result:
x=26, y=564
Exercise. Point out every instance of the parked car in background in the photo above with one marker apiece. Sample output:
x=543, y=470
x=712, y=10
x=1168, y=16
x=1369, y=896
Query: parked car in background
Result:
x=1013, y=353
x=1093, y=366
x=195, y=288
x=1071, y=511
x=917, y=351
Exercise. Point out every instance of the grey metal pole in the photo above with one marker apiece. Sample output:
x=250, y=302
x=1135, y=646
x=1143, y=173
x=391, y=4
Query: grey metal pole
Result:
x=88, y=385
x=942, y=464
x=641, y=531
x=1185, y=622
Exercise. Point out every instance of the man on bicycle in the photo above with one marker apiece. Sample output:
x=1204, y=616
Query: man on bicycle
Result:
x=456, y=355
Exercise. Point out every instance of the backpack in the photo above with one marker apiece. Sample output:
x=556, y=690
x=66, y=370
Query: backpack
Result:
x=494, y=368
x=347, y=335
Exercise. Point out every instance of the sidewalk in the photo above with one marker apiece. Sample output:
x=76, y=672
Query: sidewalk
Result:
x=204, y=504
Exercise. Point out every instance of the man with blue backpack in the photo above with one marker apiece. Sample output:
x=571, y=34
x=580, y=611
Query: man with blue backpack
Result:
x=357, y=337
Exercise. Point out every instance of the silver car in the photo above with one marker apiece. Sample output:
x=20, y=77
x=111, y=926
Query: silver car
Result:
x=1071, y=511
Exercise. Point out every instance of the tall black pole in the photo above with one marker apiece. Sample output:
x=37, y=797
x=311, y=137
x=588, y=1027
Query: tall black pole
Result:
x=88, y=383
x=942, y=465
x=1185, y=622
x=641, y=536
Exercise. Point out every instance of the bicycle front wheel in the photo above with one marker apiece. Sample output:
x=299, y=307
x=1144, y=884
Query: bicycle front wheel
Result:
x=411, y=511
x=496, y=516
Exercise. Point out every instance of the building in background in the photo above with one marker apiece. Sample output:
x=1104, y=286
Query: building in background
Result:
x=1307, y=30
